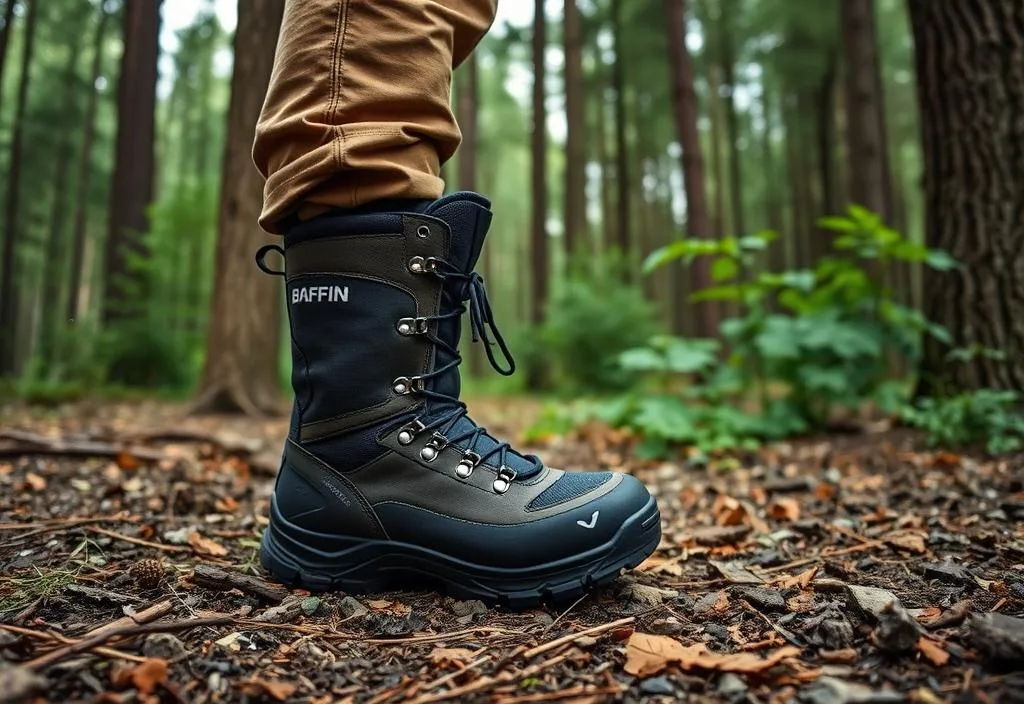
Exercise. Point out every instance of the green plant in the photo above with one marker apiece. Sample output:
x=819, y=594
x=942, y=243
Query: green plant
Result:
x=804, y=344
x=591, y=320
x=986, y=417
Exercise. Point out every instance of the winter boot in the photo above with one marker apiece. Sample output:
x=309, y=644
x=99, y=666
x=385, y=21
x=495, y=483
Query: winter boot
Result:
x=385, y=480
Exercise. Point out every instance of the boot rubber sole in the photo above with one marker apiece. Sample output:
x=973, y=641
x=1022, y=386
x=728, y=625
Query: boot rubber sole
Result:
x=362, y=566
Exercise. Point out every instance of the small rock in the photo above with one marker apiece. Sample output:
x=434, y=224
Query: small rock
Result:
x=473, y=607
x=350, y=607
x=718, y=632
x=19, y=684
x=165, y=646
x=829, y=690
x=309, y=605
x=585, y=642
x=283, y=613
x=1018, y=589
x=999, y=638
x=735, y=572
x=948, y=572
x=897, y=630
x=645, y=595
x=763, y=599
x=177, y=537
x=716, y=536
x=657, y=685
x=731, y=685
x=835, y=633
x=706, y=604
x=869, y=601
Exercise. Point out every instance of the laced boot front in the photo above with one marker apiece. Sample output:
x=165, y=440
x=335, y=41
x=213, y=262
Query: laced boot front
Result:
x=386, y=480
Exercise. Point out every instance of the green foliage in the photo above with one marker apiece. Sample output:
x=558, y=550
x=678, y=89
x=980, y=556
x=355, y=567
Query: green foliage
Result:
x=591, y=321
x=986, y=417
x=807, y=343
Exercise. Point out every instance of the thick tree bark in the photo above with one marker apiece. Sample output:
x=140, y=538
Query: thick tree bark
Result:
x=240, y=374
x=536, y=376
x=825, y=114
x=54, y=261
x=684, y=103
x=85, y=169
x=539, y=171
x=727, y=56
x=970, y=68
x=132, y=186
x=622, y=178
x=5, y=35
x=466, y=111
x=575, y=215
x=9, y=300
x=719, y=216
x=870, y=180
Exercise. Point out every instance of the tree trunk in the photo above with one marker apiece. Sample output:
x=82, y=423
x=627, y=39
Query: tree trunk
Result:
x=719, y=218
x=5, y=35
x=9, y=298
x=85, y=169
x=684, y=103
x=466, y=113
x=132, y=187
x=726, y=24
x=240, y=374
x=536, y=376
x=825, y=101
x=870, y=180
x=970, y=68
x=622, y=179
x=575, y=214
x=53, y=262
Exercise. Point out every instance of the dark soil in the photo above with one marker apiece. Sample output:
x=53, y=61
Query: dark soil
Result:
x=859, y=569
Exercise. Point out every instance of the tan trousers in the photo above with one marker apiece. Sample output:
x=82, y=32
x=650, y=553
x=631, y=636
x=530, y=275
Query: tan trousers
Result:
x=358, y=107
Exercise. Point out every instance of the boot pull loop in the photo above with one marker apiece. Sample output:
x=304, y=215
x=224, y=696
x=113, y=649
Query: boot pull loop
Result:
x=261, y=254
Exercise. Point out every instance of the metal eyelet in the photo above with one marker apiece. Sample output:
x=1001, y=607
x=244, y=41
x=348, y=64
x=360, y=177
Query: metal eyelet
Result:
x=504, y=480
x=422, y=265
x=407, y=435
x=407, y=384
x=412, y=326
x=432, y=450
x=467, y=464
x=423, y=232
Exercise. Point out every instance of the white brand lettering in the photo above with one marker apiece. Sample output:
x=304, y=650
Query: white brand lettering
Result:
x=320, y=294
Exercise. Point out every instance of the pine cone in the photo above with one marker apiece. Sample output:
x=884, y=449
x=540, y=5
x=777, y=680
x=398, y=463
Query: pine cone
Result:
x=147, y=573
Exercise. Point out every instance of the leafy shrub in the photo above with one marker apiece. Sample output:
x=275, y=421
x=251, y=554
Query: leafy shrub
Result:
x=806, y=342
x=986, y=417
x=590, y=322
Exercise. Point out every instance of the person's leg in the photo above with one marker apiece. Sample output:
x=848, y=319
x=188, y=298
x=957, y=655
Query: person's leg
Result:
x=384, y=474
x=358, y=104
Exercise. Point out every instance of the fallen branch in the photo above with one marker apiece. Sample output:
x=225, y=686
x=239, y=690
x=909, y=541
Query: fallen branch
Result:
x=124, y=632
x=32, y=444
x=218, y=580
x=147, y=615
x=139, y=541
x=596, y=630
x=487, y=682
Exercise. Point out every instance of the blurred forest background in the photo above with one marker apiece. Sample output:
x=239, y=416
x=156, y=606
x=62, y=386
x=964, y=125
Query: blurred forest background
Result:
x=730, y=220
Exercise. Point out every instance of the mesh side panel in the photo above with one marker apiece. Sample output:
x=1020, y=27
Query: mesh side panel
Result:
x=568, y=487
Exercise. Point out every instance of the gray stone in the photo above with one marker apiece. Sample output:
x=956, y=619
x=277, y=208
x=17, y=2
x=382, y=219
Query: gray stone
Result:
x=19, y=684
x=829, y=690
x=999, y=638
x=657, y=685
x=948, y=572
x=897, y=630
x=473, y=607
x=163, y=645
x=869, y=601
x=706, y=604
x=763, y=599
x=351, y=607
x=735, y=572
x=731, y=685
x=310, y=605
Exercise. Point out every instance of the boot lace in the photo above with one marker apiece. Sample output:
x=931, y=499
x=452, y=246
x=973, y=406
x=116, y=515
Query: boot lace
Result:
x=467, y=289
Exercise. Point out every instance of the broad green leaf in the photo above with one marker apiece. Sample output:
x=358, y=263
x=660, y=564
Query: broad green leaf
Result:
x=724, y=268
x=642, y=359
x=837, y=224
x=729, y=292
x=940, y=261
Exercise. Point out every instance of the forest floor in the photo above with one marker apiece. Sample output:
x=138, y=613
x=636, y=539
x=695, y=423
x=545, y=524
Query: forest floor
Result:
x=857, y=568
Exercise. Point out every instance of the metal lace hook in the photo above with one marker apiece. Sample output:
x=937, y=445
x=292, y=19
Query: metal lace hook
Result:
x=261, y=254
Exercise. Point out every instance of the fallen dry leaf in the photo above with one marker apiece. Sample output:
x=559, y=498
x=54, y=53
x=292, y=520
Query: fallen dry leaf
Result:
x=145, y=677
x=932, y=651
x=35, y=481
x=449, y=656
x=911, y=541
x=802, y=580
x=648, y=654
x=784, y=510
x=206, y=546
x=127, y=461
x=256, y=687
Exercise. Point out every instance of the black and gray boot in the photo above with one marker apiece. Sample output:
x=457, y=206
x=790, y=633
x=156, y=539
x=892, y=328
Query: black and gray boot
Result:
x=385, y=480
